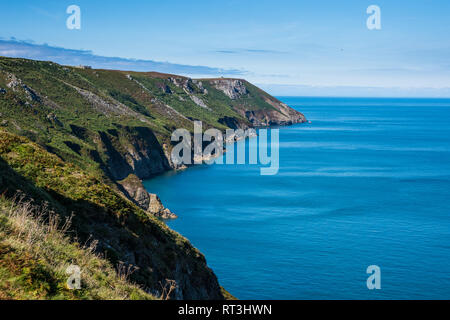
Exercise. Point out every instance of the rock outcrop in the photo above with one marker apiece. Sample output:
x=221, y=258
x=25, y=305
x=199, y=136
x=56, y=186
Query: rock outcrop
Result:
x=117, y=126
x=132, y=187
x=116, y=228
x=233, y=88
x=199, y=102
x=157, y=209
x=15, y=84
x=185, y=83
x=132, y=151
x=270, y=111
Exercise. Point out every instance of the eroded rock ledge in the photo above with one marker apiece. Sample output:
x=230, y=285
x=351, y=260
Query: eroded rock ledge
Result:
x=133, y=189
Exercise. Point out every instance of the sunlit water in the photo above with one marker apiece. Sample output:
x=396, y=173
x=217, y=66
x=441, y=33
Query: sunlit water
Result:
x=366, y=183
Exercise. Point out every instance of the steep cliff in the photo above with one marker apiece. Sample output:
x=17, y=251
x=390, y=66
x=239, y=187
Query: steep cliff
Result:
x=113, y=128
x=257, y=106
x=132, y=187
x=125, y=235
x=119, y=123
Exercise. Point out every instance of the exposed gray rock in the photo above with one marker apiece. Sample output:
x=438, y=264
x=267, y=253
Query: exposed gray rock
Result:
x=135, y=191
x=13, y=81
x=107, y=105
x=168, y=109
x=185, y=83
x=199, y=102
x=157, y=209
x=16, y=84
x=199, y=84
x=279, y=115
x=31, y=95
x=133, y=188
x=233, y=88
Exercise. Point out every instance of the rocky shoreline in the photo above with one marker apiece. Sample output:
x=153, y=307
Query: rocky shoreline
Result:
x=91, y=136
x=133, y=188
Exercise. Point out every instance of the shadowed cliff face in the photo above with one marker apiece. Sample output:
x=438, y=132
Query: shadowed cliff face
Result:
x=124, y=234
x=119, y=120
x=134, y=151
x=113, y=125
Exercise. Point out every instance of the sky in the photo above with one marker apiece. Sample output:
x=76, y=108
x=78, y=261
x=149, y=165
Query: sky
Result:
x=288, y=47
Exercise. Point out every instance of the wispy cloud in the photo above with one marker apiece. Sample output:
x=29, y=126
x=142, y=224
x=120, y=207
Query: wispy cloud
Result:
x=249, y=51
x=29, y=50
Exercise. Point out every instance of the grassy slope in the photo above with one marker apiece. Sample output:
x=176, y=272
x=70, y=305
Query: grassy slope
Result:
x=97, y=212
x=143, y=96
x=34, y=256
x=148, y=98
x=59, y=127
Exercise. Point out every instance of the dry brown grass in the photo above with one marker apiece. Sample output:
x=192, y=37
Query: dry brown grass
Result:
x=34, y=232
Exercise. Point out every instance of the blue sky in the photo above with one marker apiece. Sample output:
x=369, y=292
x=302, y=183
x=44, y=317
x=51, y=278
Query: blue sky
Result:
x=287, y=47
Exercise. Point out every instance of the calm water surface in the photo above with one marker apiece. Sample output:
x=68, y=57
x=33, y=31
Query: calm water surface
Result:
x=366, y=183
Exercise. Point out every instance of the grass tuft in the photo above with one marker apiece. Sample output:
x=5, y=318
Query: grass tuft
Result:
x=35, y=252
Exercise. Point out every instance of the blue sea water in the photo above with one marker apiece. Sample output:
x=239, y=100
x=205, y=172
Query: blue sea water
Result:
x=366, y=183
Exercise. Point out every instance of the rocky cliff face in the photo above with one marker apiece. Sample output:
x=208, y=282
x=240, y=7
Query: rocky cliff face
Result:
x=116, y=126
x=132, y=151
x=232, y=88
x=132, y=187
x=281, y=115
x=136, y=150
x=270, y=111
x=116, y=228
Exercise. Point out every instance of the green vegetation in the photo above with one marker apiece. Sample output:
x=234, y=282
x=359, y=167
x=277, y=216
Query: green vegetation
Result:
x=35, y=253
x=97, y=212
x=67, y=137
x=51, y=174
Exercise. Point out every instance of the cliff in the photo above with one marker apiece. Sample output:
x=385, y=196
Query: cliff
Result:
x=125, y=235
x=257, y=106
x=109, y=130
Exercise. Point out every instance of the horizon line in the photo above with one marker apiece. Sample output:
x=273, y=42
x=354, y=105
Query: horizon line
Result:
x=363, y=97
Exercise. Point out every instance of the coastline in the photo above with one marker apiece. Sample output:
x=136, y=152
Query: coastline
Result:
x=250, y=133
x=102, y=125
x=281, y=236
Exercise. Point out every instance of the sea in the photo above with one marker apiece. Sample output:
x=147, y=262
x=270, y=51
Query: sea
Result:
x=365, y=183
